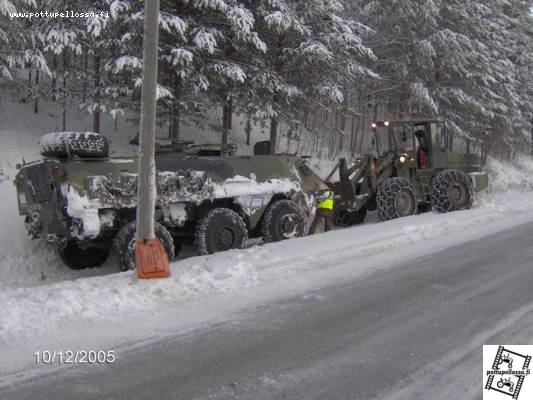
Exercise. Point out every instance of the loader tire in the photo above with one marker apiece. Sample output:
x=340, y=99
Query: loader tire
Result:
x=65, y=144
x=124, y=245
x=345, y=218
x=452, y=190
x=396, y=198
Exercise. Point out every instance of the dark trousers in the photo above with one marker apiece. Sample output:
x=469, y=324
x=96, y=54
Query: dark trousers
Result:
x=322, y=214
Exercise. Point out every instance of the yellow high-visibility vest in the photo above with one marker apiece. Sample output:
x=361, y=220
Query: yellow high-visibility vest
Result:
x=327, y=203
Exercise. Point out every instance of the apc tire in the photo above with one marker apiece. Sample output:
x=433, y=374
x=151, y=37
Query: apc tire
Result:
x=396, y=198
x=284, y=219
x=220, y=229
x=345, y=218
x=76, y=257
x=124, y=245
x=452, y=190
x=65, y=144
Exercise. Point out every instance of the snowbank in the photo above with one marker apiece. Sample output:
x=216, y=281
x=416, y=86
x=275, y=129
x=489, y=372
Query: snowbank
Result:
x=506, y=176
x=117, y=295
x=25, y=262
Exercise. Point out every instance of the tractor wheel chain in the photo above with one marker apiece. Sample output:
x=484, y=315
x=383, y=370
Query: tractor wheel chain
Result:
x=388, y=195
x=444, y=183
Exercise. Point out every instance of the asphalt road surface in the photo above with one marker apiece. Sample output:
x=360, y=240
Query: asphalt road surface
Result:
x=412, y=332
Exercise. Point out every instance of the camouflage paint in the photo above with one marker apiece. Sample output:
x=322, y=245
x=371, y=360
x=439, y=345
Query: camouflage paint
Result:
x=195, y=182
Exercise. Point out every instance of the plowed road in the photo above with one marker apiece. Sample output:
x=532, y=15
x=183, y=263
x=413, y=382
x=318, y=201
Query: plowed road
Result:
x=414, y=331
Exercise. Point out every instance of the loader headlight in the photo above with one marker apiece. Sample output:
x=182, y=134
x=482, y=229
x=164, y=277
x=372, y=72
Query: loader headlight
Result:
x=403, y=159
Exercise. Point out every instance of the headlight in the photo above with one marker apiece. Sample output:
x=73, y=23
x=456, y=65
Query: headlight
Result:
x=403, y=159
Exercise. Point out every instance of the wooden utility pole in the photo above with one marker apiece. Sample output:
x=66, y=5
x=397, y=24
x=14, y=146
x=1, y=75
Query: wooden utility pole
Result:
x=150, y=257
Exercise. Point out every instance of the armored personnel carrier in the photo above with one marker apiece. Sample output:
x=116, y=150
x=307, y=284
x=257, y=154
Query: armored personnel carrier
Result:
x=84, y=201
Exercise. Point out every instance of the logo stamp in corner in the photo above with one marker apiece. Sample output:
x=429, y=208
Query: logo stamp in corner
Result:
x=506, y=373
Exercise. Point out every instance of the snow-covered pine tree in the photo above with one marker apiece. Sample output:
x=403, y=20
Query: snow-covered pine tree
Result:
x=314, y=53
x=61, y=41
x=17, y=45
x=224, y=43
x=452, y=58
x=193, y=65
x=476, y=44
x=406, y=56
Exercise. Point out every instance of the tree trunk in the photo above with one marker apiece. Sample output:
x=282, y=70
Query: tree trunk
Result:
x=64, y=91
x=352, y=135
x=341, y=132
x=273, y=135
x=531, y=150
x=54, y=74
x=248, y=130
x=227, y=112
x=36, y=95
x=175, y=117
x=298, y=140
x=85, y=73
x=449, y=145
x=96, y=95
x=175, y=126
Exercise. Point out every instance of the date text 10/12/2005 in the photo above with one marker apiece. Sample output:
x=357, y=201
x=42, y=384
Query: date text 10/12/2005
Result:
x=50, y=357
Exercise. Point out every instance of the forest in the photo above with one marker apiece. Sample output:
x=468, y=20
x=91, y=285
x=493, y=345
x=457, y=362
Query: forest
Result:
x=321, y=69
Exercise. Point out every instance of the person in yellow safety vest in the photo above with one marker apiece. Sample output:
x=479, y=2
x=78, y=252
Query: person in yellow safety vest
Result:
x=324, y=210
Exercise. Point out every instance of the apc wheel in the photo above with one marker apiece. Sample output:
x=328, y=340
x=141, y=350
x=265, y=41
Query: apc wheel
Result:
x=78, y=257
x=452, y=190
x=396, y=198
x=64, y=144
x=284, y=219
x=346, y=218
x=124, y=245
x=219, y=230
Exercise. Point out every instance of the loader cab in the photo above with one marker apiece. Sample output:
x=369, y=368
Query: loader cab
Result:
x=421, y=140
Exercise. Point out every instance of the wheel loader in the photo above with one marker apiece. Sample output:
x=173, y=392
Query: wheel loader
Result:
x=410, y=170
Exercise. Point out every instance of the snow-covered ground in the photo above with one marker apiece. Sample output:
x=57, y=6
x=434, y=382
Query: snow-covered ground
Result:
x=48, y=307
x=117, y=308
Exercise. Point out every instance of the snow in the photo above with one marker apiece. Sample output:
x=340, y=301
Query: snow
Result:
x=127, y=62
x=205, y=41
x=178, y=214
x=240, y=18
x=242, y=186
x=47, y=306
x=82, y=208
x=58, y=140
x=120, y=297
x=173, y=22
x=181, y=57
x=505, y=177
